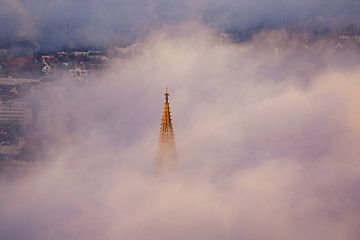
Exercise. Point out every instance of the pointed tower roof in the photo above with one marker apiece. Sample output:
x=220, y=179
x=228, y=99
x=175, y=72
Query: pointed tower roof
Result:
x=166, y=130
x=167, y=153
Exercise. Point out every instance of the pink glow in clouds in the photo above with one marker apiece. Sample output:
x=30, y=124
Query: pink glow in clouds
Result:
x=268, y=139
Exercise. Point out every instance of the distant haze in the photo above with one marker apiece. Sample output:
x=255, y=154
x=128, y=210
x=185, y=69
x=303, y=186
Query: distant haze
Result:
x=56, y=24
x=267, y=134
x=267, y=130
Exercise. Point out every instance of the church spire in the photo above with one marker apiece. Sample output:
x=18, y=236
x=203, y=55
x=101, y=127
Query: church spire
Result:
x=167, y=152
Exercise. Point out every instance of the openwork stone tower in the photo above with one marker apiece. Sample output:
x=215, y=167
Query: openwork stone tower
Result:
x=166, y=159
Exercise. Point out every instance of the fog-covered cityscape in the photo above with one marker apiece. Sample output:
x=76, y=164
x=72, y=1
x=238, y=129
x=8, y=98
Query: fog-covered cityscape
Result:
x=153, y=119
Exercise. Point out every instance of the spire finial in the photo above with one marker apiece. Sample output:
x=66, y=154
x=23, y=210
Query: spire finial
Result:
x=166, y=94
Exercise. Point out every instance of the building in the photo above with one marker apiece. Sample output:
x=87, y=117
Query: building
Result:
x=16, y=113
x=166, y=159
x=79, y=75
x=15, y=118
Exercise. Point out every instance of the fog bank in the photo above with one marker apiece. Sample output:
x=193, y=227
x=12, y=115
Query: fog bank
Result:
x=267, y=135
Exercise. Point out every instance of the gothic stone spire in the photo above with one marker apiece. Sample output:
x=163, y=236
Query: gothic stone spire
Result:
x=167, y=153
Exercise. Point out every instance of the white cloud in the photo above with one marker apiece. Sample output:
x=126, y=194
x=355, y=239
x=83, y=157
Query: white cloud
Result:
x=267, y=146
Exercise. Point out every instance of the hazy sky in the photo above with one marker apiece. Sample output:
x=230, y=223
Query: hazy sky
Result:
x=267, y=135
x=267, y=131
x=55, y=23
